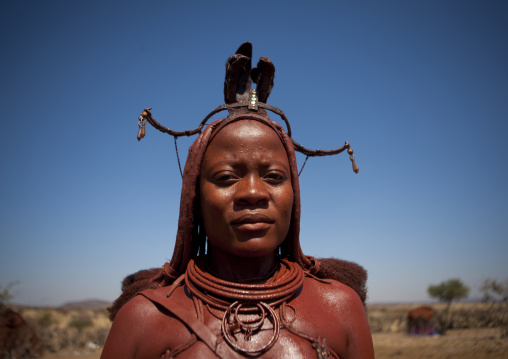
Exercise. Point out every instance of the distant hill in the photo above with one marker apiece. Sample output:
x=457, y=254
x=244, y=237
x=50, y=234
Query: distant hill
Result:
x=86, y=304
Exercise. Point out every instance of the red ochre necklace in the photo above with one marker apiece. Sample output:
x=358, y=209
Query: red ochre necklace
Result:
x=241, y=299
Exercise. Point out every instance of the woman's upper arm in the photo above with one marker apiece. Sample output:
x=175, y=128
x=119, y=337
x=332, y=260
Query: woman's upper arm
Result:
x=359, y=335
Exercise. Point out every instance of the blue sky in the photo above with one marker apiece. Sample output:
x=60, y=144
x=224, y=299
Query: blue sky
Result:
x=419, y=89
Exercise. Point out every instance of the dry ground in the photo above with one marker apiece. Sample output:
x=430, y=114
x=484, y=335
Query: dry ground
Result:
x=67, y=354
x=458, y=343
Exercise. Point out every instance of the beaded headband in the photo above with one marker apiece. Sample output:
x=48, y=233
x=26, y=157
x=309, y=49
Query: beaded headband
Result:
x=240, y=97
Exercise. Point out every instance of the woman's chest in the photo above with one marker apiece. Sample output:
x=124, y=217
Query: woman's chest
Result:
x=287, y=346
x=298, y=329
x=284, y=333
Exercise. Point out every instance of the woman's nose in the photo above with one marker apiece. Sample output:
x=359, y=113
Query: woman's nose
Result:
x=251, y=190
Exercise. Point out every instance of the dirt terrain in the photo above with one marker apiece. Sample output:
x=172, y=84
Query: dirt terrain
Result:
x=457, y=343
x=67, y=354
x=476, y=332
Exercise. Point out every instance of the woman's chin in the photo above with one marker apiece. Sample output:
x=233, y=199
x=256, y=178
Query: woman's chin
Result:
x=247, y=249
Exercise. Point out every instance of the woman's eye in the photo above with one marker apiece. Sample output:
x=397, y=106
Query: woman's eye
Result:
x=225, y=178
x=275, y=177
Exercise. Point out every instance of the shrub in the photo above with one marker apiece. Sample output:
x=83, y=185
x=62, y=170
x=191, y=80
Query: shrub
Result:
x=45, y=319
x=80, y=323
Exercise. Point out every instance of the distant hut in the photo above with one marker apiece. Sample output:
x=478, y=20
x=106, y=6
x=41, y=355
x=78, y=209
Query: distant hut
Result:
x=419, y=321
x=17, y=337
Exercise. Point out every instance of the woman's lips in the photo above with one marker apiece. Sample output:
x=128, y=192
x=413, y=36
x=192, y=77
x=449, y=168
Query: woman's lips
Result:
x=252, y=222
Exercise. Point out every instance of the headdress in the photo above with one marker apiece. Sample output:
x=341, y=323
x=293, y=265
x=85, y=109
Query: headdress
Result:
x=240, y=98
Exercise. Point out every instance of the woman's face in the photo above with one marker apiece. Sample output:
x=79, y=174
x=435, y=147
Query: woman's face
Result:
x=246, y=195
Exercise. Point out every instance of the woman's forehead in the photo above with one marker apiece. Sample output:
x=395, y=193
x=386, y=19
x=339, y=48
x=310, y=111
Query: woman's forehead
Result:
x=240, y=132
x=248, y=128
x=245, y=140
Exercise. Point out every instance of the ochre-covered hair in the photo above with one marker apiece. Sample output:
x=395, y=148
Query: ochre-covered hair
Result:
x=191, y=237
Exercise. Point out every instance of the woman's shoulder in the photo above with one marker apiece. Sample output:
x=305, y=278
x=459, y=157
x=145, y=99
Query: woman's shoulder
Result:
x=332, y=295
x=349, y=273
x=154, y=305
x=332, y=310
x=138, y=309
x=144, y=326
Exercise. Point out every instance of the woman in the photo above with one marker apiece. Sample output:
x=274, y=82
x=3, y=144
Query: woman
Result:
x=238, y=284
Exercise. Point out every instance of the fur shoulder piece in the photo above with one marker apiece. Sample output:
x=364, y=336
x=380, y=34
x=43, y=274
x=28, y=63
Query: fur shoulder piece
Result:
x=351, y=274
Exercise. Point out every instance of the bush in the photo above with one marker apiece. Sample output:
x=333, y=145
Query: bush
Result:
x=45, y=319
x=80, y=323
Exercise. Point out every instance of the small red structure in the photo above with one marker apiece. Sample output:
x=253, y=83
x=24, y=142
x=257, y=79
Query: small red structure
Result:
x=17, y=337
x=419, y=321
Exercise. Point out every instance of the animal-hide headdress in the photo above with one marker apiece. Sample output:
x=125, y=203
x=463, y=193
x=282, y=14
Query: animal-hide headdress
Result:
x=242, y=103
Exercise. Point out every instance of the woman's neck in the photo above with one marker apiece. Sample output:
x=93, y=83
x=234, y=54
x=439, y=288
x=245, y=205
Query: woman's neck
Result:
x=241, y=269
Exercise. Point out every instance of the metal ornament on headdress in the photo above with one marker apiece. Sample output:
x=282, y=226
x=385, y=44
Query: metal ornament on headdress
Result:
x=238, y=95
x=253, y=101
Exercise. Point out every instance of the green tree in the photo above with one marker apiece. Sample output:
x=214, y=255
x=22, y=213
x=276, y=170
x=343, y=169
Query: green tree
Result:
x=494, y=291
x=6, y=294
x=497, y=293
x=447, y=292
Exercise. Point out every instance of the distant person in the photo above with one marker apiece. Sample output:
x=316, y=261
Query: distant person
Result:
x=238, y=284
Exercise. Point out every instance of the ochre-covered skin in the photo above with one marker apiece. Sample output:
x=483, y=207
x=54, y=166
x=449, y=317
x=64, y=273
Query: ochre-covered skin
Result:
x=246, y=188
